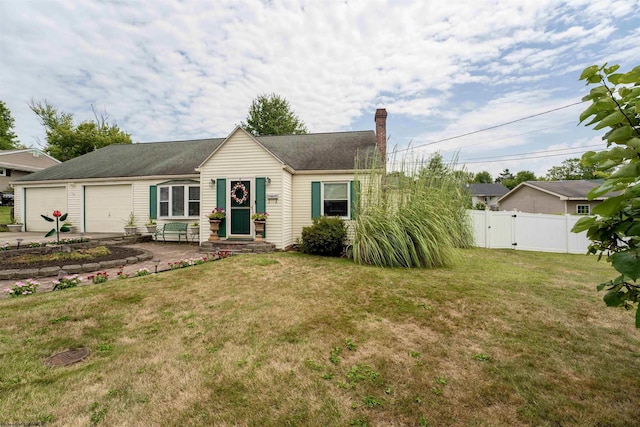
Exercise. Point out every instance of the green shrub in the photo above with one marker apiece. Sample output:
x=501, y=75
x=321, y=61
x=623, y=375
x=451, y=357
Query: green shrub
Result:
x=325, y=237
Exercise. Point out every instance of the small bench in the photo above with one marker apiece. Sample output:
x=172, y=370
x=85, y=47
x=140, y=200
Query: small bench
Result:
x=179, y=228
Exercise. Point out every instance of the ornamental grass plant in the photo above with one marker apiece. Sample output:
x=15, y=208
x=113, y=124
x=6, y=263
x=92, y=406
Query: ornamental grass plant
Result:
x=413, y=217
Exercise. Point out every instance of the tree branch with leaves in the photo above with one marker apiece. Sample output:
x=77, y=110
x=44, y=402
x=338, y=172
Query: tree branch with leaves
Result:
x=272, y=115
x=66, y=140
x=614, y=230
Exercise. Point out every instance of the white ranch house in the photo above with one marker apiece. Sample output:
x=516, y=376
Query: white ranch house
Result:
x=292, y=177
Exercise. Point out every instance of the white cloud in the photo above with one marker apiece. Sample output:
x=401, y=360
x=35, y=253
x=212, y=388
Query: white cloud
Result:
x=189, y=69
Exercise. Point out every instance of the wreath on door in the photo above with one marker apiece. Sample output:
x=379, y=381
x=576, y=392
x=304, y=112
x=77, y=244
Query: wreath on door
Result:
x=239, y=188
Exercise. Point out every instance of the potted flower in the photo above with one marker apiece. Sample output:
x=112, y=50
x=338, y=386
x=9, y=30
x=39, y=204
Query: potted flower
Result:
x=259, y=220
x=14, y=227
x=194, y=228
x=151, y=225
x=215, y=218
x=130, y=225
x=72, y=228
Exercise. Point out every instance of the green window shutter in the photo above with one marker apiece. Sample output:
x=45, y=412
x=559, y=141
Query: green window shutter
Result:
x=261, y=194
x=221, y=203
x=153, y=201
x=261, y=198
x=355, y=197
x=315, y=199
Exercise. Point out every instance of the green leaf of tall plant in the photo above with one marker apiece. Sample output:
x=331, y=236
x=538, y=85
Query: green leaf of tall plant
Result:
x=415, y=217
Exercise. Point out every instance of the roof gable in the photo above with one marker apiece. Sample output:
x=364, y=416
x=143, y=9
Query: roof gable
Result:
x=229, y=137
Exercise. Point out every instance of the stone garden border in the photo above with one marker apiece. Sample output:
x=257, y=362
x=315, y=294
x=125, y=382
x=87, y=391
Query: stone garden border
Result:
x=17, y=274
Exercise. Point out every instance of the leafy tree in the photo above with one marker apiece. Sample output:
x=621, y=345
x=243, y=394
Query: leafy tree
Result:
x=483, y=177
x=66, y=140
x=434, y=167
x=505, y=174
x=514, y=181
x=571, y=169
x=614, y=231
x=272, y=115
x=8, y=139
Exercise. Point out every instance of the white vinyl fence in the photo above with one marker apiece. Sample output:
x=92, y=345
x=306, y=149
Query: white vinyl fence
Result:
x=527, y=231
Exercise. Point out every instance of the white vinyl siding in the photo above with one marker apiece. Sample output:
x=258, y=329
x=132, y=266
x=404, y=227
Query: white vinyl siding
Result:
x=241, y=157
x=301, y=197
x=285, y=201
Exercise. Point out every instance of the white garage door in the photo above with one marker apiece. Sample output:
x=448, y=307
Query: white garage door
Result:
x=106, y=208
x=43, y=201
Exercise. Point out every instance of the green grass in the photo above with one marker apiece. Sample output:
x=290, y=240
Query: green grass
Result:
x=5, y=214
x=502, y=338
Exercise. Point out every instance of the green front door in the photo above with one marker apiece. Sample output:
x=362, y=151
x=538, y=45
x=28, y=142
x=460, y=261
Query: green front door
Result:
x=240, y=208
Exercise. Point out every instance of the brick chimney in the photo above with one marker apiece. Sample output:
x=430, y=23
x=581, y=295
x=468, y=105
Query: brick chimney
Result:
x=381, y=133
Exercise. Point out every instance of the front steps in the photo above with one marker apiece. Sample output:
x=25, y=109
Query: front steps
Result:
x=238, y=246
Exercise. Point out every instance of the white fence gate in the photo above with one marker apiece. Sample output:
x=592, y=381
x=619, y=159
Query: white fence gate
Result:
x=527, y=231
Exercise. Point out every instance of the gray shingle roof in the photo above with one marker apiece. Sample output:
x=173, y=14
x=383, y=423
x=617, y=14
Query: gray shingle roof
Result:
x=492, y=190
x=575, y=189
x=322, y=151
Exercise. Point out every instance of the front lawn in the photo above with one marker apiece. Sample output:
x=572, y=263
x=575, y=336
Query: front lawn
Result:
x=505, y=338
x=5, y=214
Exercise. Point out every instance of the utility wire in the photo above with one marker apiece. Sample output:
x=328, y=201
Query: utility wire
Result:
x=504, y=156
x=490, y=127
x=508, y=157
x=526, y=158
x=512, y=136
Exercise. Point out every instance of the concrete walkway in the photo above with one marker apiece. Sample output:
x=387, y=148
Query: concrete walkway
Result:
x=163, y=254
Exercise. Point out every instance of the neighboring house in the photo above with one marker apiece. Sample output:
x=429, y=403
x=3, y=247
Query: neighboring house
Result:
x=292, y=177
x=487, y=194
x=17, y=163
x=552, y=197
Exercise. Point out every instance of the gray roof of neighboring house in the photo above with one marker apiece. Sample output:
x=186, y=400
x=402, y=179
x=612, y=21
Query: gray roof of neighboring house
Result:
x=324, y=151
x=26, y=159
x=565, y=190
x=492, y=190
x=573, y=189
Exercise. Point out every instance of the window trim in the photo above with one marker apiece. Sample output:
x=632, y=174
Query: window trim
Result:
x=186, y=201
x=588, y=212
x=322, y=199
x=3, y=172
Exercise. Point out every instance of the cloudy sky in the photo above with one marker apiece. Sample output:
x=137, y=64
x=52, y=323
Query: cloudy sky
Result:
x=172, y=70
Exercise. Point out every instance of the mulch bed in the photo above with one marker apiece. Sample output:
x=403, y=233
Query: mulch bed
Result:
x=117, y=252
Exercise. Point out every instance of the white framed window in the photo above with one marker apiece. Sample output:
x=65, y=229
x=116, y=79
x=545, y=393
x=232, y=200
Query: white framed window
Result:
x=179, y=201
x=583, y=209
x=3, y=172
x=335, y=199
